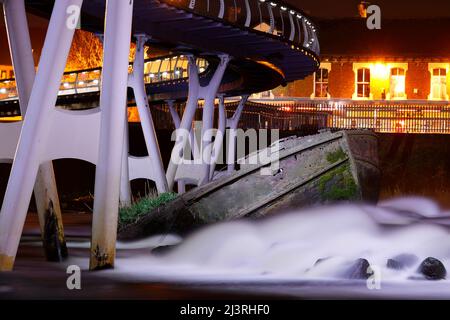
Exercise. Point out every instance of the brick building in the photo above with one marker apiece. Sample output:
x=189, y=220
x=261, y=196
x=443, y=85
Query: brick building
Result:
x=405, y=60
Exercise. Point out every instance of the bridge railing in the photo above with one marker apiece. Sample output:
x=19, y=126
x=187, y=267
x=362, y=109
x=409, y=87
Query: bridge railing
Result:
x=271, y=17
x=254, y=115
x=159, y=70
x=403, y=116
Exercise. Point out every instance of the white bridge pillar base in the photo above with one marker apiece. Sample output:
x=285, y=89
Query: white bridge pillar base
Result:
x=95, y=135
x=45, y=191
x=30, y=152
x=113, y=99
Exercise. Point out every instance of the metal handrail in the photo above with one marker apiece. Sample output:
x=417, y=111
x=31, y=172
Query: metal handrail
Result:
x=275, y=18
x=386, y=116
x=350, y=101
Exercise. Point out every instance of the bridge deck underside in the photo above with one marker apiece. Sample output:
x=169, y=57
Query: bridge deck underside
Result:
x=182, y=31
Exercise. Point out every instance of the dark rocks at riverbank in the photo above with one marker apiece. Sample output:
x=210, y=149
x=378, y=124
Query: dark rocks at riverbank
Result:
x=402, y=261
x=432, y=269
x=358, y=270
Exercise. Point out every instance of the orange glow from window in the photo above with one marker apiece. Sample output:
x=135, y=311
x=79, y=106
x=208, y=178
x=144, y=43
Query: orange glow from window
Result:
x=380, y=70
x=399, y=86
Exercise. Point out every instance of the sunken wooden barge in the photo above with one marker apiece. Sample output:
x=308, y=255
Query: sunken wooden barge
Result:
x=314, y=170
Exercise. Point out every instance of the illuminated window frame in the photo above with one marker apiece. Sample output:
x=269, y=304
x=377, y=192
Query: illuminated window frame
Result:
x=357, y=66
x=323, y=66
x=363, y=83
x=400, y=74
x=431, y=68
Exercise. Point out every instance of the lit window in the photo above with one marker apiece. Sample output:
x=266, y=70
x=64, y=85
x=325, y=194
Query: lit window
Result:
x=321, y=83
x=178, y=72
x=398, y=83
x=439, y=84
x=266, y=94
x=363, y=83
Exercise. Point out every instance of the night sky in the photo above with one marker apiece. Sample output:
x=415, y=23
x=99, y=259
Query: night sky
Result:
x=390, y=8
x=406, y=9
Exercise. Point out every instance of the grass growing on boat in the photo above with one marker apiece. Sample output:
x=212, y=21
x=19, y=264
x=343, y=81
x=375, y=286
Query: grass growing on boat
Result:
x=338, y=184
x=141, y=207
x=333, y=157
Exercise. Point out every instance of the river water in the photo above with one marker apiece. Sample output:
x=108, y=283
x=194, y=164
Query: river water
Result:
x=307, y=254
x=313, y=253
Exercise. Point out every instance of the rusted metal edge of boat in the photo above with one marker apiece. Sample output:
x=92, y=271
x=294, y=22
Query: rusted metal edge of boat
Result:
x=313, y=170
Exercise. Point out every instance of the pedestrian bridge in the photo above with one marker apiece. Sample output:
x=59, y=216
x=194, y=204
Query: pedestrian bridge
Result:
x=164, y=77
x=269, y=33
x=247, y=46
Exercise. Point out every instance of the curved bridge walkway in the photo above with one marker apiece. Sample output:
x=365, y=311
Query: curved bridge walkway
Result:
x=170, y=70
x=250, y=37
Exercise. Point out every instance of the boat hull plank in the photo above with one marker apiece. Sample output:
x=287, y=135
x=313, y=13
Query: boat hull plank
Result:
x=314, y=170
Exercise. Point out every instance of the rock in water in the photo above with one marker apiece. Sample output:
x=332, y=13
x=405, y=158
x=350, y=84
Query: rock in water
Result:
x=402, y=261
x=406, y=259
x=162, y=250
x=358, y=270
x=319, y=261
x=432, y=269
x=394, y=264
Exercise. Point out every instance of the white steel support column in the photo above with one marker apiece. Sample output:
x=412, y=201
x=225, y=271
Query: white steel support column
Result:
x=209, y=94
x=35, y=127
x=232, y=123
x=20, y=49
x=220, y=134
x=201, y=174
x=45, y=190
x=136, y=81
x=174, y=114
x=186, y=122
x=176, y=122
x=113, y=98
x=125, y=188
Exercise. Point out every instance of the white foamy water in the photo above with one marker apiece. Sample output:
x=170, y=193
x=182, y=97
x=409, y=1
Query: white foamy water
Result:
x=284, y=249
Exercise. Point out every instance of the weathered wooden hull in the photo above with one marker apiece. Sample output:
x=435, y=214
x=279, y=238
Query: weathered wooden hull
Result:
x=319, y=169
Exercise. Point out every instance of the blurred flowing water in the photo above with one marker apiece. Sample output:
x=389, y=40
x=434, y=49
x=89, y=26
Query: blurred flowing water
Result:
x=305, y=254
x=323, y=252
